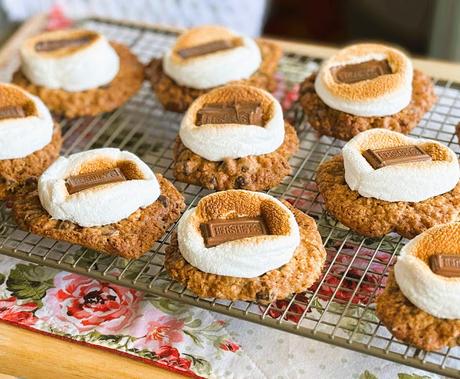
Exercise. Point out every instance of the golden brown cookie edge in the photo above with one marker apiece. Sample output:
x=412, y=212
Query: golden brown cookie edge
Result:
x=93, y=101
x=130, y=238
x=296, y=276
x=344, y=126
x=271, y=168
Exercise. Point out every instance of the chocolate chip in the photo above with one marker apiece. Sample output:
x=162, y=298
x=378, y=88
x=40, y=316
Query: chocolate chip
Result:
x=3, y=180
x=163, y=201
x=30, y=181
x=263, y=296
x=213, y=182
x=65, y=225
x=240, y=182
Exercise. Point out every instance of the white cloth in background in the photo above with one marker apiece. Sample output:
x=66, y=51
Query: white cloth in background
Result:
x=244, y=16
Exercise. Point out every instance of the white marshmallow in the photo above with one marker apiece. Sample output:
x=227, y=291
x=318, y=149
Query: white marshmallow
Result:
x=20, y=137
x=391, y=102
x=212, y=70
x=412, y=182
x=244, y=258
x=88, y=67
x=100, y=205
x=434, y=294
x=215, y=142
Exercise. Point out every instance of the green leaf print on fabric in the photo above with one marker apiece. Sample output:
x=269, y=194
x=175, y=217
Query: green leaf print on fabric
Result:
x=412, y=376
x=28, y=281
x=200, y=365
x=367, y=375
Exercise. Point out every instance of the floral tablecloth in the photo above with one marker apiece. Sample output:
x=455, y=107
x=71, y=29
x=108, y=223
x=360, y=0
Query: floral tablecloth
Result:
x=178, y=337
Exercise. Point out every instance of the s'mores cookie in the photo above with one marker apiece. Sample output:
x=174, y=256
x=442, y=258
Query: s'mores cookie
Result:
x=206, y=57
x=78, y=72
x=234, y=137
x=366, y=86
x=384, y=181
x=104, y=199
x=242, y=245
x=29, y=139
x=421, y=301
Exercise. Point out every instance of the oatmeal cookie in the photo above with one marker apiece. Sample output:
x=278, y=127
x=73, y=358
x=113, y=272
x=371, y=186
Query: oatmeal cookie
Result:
x=93, y=101
x=331, y=122
x=373, y=217
x=129, y=238
x=14, y=172
x=412, y=325
x=177, y=98
x=295, y=276
x=253, y=173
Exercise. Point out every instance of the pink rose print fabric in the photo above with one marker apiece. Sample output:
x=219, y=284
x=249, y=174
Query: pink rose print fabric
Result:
x=156, y=330
x=80, y=304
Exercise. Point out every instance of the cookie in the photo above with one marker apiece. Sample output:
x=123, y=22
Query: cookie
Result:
x=220, y=153
x=253, y=173
x=346, y=98
x=421, y=302
x=130, y=238
x=375, y=218
x=92, y=102
x=177, y=98
x=14, y=172
x=300, y=271
x=413, y=325
x=29, y=138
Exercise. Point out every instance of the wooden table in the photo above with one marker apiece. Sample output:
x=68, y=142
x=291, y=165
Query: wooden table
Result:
x=34, y=356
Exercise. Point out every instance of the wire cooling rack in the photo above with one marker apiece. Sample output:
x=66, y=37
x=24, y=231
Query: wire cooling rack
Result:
x=338, y=310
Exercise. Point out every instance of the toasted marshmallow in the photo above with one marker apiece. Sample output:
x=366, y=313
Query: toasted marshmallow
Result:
x=411, y=181
x=247, y=257
x=21, y=136
x=76, y=67
x=216, y=142
x=103, y=204
x=382, y=95
x=213, y=69
x=435, y=294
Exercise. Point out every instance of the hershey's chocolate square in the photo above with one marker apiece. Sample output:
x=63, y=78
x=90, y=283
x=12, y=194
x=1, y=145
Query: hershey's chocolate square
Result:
x=248, y=113
x=353, y=73
x=388, y=156
x=12, y=112
x=445, y=265
x=56, y=44
x=82, y=182
x=219, y=231
x=206, y=48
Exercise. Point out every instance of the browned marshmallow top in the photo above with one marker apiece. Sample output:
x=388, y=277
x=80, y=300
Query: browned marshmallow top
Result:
x=365, y=71
x=200, y=41
x=62, y=42
x=14, y=103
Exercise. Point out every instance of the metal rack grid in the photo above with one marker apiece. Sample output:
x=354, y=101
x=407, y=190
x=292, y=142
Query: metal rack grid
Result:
x=339, y=310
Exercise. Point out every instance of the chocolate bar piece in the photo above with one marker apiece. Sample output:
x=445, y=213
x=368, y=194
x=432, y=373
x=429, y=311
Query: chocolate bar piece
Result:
x=219, y=231
x=388, y=156
x=81, y=182
x=207, y=48
x=353, y=73
x=249, y=113
x=56, y=44
x=12, y=112
x=446, y=265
